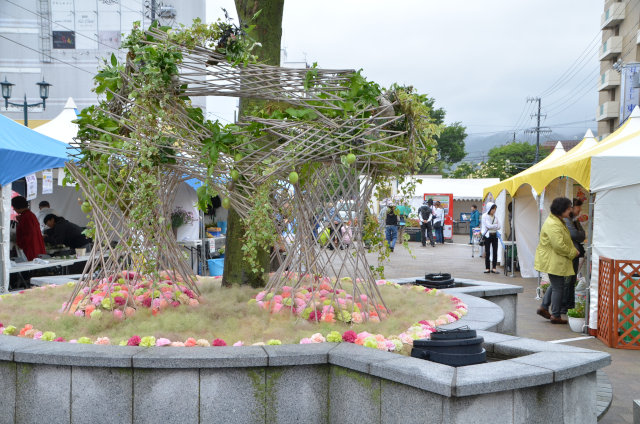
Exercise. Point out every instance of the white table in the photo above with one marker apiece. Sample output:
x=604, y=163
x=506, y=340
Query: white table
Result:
x=31, y=266
x=55, y=279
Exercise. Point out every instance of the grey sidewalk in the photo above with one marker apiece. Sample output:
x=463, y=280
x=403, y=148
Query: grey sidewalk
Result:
x=624, y=372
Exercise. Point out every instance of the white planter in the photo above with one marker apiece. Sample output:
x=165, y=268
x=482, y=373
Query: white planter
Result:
x=576, y=324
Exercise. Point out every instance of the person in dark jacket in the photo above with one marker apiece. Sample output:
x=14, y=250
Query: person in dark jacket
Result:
x=391, y=222
x=425, y=215
x=64, y=232
x=28, y=235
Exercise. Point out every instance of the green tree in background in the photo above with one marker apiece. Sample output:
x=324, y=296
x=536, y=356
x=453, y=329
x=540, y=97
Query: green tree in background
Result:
x=503, y=162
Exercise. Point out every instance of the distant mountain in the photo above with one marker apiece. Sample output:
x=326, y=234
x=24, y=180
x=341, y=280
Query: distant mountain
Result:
x=478, y=146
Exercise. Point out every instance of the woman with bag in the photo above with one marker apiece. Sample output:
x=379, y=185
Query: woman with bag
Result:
x=438, y=222
x=554, y=255
x=489, y=231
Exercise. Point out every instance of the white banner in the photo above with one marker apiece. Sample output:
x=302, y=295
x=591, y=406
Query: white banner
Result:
x=47, y=181
x=32, y=186
x=60, y=176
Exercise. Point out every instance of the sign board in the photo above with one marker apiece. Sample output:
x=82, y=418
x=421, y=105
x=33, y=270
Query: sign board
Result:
x=629, y=95
x=446, y=199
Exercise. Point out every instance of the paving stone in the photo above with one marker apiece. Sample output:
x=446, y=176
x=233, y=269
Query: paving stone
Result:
x=7, y=392
x=165, y=395
x=205, y=357
x=408, y=405
x=101, y=395
x=498, y=376
x=358, y=358
x=567, y=365
x=426, y=375
x=297, y=394
x=230, y=395
x=494, y=408
x=307, y=354
x=579, y=399
x=636, y=412
x=354, y=397
x=76, y=354
x=541, y=404
x=43, y=394
x=522, y=346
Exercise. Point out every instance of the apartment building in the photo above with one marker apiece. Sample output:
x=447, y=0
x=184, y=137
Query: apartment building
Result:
x=619, y=85
x=64, y=42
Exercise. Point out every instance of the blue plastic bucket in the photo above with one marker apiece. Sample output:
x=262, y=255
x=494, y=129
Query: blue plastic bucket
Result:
x=216, y=267
x=223, y=226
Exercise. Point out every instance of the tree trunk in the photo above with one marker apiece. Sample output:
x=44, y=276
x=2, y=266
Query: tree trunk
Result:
x=268, y=32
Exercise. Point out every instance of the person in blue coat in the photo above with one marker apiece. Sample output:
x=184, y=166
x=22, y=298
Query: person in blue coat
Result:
x=474, y=221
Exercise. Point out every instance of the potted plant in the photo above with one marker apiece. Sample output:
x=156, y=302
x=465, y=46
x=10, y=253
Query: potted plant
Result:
x=576, y=317
x=180, y=217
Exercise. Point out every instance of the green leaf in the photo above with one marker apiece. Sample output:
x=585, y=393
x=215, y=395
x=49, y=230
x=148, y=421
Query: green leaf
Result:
x=114, y=59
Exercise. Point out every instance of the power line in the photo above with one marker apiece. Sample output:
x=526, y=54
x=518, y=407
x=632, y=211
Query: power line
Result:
x=48, y=55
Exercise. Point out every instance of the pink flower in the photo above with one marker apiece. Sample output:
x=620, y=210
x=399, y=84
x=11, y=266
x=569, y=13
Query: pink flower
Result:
x=318, y=338
x=177, y=344
x=102, y=341
x=163, y=342
x=349, y=336
x=190, y=342
x=193, y=302
x=218, y=342
x=306, y=340
x=78, y=313
x=146, y=302
x=134, y=341
x=175, y=303
x=261, y=295
x=239, y=343
x=117, y=313
x=58, y=339
x=315, y=315
x=356, y=317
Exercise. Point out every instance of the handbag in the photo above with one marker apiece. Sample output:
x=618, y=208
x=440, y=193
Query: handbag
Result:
x=437, y=225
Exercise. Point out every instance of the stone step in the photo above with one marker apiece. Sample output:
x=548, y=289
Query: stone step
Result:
x=604, y=393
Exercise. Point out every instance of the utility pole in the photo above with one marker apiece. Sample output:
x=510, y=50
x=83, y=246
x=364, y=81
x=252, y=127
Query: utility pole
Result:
x=538, y=129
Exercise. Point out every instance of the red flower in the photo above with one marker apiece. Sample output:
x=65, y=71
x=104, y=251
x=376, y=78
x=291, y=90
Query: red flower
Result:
x=423, y=322
x=134, y=341
x=1, y=325
x=175, y=303
x=315, y=316
x=349, y=336
x=58, y=339
x=146, y=302
x=119, y=300
x=218, y=342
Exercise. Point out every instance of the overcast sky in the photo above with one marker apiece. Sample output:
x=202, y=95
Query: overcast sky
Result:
x=479, y=59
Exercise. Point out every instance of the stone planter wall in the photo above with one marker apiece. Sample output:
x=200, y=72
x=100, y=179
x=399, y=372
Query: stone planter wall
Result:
x=342, y=383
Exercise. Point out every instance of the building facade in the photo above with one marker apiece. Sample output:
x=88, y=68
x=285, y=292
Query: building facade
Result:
x=619, y=85
x=65, y=41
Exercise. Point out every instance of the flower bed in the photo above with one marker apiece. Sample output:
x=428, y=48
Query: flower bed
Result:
x=219, y=314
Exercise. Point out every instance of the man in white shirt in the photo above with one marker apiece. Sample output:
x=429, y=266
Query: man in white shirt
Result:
x=45, y=209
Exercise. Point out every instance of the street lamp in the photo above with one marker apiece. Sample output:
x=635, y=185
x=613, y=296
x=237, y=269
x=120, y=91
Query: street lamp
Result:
x=44, y=95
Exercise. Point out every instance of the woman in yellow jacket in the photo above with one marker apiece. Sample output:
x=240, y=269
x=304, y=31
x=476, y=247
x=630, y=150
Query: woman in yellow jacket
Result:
x=554, y=255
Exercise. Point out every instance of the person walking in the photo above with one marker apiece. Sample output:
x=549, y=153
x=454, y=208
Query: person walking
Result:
x=489, y=231
x=391, y=221
x=554, y=255
x=438, y=222
x=474, y=222
x=425, y=215
x=577, y=237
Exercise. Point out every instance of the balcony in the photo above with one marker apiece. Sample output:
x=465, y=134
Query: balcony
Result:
x=613, y=15
x=610, y=48
x=608, y=110
x=608, y=80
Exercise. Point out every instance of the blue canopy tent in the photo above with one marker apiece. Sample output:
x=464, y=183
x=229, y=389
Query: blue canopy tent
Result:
x=22, y=152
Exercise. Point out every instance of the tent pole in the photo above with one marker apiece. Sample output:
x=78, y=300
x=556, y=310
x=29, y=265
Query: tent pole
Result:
x=513, y=232
x=587, y=260
x=5, y=214
x=539, y=227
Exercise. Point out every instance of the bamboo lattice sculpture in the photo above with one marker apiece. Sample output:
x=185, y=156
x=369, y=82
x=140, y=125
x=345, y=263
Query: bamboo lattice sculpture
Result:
x=127, y=239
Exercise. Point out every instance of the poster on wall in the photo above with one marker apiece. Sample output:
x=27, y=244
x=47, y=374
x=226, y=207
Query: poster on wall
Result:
x=64, y=40
x=32, y=186
x=47, y=181
x=63, y=24
x=60, y=176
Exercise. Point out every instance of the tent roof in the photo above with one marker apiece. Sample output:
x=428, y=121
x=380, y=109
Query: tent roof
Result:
x=62, y=127
x=575, y=164
x=462, y=189
x=616, y=166
x=24, y=151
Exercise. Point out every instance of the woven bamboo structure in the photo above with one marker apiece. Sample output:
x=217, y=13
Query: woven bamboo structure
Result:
x=123, y=242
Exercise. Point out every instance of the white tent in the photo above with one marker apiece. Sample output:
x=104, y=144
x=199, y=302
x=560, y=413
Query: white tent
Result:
x=62, y=127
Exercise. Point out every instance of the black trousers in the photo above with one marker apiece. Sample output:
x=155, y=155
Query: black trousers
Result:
x=491, y=241
x=426, y=228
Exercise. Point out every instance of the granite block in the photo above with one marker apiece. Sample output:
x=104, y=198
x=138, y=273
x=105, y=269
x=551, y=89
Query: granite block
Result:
x=501, y=290
x=498, y=376
x=425, y=375
x=472, y=324
x=101, y=395
x=491, y=338
x=354, y=397
x=76, y=354
x=541, y=404
x=358, y=358
x=408, y=405
x=509, y=306
x=567, y=365
x=297, y=394
x=579, y=399
x=7, y=392
x=8, y=345
x=230, y=395
x=636, y=412
x=494, y=408
x=43, y=394
x=522, y=346
x=469, y=291
x=486, y=314
x=306, y=354
x=166, y=395
x=209, y=357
